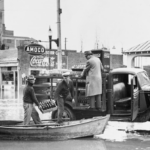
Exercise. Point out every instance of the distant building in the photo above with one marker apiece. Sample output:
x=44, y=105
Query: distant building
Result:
x=137, y=56
x=16, y=64
x=7, y=38
x=3, y=31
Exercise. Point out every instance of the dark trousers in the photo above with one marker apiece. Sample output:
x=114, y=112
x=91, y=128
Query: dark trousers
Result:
x=60, y=103
x=95, y=101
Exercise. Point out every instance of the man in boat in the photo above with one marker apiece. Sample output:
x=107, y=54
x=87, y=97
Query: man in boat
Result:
x=93, y=75
x=29, y=99
x=64, y=90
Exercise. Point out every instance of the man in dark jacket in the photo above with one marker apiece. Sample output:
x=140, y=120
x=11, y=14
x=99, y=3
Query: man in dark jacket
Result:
x=29, y=99
x=64, y=88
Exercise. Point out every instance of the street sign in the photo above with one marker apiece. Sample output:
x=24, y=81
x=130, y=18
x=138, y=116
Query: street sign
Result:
x=35, y=49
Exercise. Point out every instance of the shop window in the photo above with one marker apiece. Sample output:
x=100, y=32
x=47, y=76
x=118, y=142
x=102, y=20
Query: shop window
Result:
x=8, y=40
x=35, y=72
x=63, y=53
x=52, y=52
x=1, y=15
x=9, y=68
x=7, y=77
x=24, y=77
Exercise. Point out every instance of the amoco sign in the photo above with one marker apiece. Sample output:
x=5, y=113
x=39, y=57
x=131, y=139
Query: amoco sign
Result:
x=35, y=49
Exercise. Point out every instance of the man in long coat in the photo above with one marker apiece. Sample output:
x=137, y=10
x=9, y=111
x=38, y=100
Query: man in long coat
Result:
x=93, y=79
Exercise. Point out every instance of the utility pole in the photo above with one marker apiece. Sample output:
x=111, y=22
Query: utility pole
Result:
x=65, y=43
x=81, y=46
x=59, y=54
x=1, y=21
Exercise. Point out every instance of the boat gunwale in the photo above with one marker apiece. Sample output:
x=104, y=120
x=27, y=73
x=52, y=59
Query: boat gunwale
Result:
x=57, y=126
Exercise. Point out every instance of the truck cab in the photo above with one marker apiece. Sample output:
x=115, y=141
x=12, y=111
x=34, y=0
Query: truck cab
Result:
x=129, y=94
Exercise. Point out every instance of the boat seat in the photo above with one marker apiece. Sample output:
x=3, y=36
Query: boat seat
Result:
x=121, y=96
x=126, y=99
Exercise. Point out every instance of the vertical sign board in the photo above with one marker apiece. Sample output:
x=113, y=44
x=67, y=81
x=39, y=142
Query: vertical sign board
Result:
x=104, y=56
x=36, y=52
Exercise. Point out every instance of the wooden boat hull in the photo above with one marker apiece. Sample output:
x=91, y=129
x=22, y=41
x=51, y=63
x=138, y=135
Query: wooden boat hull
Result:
x=68, y=130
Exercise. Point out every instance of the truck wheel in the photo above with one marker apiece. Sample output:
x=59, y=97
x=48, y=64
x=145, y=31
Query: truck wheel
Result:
x=68, y=113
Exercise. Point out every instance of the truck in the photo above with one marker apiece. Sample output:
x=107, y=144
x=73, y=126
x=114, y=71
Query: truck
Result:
x=125, y=92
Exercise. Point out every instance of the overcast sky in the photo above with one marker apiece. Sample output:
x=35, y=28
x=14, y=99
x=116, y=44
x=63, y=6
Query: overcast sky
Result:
x=119, y=23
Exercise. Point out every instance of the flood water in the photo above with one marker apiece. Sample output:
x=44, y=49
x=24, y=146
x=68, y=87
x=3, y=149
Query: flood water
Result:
x=115, y=136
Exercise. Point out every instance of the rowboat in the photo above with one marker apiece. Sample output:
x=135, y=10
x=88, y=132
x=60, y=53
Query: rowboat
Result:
x=53, y=131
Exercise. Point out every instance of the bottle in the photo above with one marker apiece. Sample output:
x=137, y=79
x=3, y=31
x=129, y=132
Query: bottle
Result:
x=42, y=104
x=53, y=104
x=50, y=105
x=46, y=105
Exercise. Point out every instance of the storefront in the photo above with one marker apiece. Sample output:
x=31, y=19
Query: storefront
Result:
x=36, y=63
x=17, y=64
x=8, y=74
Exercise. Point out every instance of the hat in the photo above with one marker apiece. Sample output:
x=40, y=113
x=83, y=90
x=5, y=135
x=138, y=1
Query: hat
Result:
x=86, y=53
x=65, y=74
x=30, y=77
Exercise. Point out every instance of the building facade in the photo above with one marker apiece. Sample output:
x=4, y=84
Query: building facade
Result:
x=16, y=64
x=7, y=38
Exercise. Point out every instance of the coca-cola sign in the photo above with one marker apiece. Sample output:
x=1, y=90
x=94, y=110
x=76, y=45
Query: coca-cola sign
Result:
x=39, y=61
x=35, y=49
x=42, y=61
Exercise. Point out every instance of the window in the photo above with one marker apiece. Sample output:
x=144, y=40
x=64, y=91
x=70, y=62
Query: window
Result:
x=8, y=40
x=0, y=15
x=7, y=76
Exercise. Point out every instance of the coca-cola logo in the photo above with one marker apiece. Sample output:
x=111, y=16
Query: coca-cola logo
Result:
x=35, y=49
x=39, y=61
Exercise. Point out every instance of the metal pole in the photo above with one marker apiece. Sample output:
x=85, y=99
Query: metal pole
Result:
x=50, y=47
x=59, y=55
x=2, y=23
x=65, y=43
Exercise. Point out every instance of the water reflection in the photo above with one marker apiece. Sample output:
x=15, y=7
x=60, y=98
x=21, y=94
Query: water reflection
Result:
x=79, y=144
x=12, y=109
x=8, y=94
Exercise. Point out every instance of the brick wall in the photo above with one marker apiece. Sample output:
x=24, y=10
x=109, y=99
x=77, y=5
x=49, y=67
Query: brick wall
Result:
x=116, y=61
x=79, y=58
x=75, y=58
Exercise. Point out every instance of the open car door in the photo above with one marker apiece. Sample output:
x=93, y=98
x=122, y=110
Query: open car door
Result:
x=110, y=94
x=134, y=98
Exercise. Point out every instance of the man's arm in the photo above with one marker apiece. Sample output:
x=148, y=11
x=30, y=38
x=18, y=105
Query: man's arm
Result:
x=87, y=68
x=102, y=68
x=72, y=89
x=34, y=99
x=58, y=90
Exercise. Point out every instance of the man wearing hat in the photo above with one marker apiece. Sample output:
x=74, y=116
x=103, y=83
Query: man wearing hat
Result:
x=63, y=90
x=93, y=79
x=29, y=99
